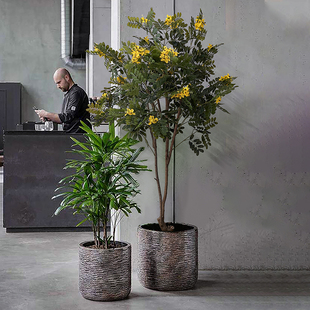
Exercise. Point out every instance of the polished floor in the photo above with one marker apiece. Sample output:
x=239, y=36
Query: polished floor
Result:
x=39, y=271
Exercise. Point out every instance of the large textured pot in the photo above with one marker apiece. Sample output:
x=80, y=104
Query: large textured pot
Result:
x=168, y=261
x=105, y=274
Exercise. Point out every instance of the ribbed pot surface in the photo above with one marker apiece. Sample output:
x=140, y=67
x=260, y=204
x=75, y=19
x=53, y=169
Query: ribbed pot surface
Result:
x=168, y=261
x=104, y=274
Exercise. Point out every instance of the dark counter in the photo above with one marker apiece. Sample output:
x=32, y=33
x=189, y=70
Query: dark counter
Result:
x=33, y=166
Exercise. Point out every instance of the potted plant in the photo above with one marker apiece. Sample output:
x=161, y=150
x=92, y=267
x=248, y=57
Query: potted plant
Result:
x=163, y=87
x=101, y=189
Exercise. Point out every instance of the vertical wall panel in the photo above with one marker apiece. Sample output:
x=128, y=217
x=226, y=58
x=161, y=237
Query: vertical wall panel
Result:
x=101, y=32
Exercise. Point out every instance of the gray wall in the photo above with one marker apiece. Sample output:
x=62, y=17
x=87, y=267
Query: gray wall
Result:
x=249, y=193
x=30, y=52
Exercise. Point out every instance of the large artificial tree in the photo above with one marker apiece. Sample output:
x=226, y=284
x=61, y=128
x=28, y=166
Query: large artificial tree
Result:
x=162, y=84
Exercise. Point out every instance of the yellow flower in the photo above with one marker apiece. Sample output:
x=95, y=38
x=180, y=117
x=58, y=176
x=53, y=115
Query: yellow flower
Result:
x=218, y=100
x=98, y=52
x=165, y=54
x=135, y=57
x=104, y=96
x=146, y=39
x=121, y=79
x=152, y=120
x=130, y=112
x=209, y=47
x=226, y=77
x=199, y=23
x=143, y=20
x=137, y=52
x=184, y=92
x=168, y=20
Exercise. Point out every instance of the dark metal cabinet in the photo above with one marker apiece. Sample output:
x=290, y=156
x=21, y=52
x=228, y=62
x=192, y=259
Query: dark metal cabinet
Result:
x=33, y=167
x=10, y=107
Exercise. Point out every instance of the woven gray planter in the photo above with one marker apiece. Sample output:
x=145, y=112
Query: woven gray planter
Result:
x=168, y=261
x=104, y=275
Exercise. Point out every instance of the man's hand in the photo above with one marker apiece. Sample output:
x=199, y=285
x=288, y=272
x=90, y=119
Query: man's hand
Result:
x=42, y=114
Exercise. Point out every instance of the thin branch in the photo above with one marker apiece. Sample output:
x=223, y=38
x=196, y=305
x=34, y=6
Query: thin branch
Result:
x=174, y=134
x=156, y=168
x=167, y=160
x=193, y=132
x=158, y=104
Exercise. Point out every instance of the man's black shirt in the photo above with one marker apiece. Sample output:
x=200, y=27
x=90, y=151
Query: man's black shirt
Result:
x=73, y=110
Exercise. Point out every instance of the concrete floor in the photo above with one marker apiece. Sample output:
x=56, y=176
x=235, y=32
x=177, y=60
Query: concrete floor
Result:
x=39, y=271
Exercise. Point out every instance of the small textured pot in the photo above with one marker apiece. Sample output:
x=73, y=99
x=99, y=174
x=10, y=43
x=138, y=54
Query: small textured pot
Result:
x=104, y=274
x=168, y=261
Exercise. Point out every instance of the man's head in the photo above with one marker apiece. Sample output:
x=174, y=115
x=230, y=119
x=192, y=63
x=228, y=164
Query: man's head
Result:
x=62, y=79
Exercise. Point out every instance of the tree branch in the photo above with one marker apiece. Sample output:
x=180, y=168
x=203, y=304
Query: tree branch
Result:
x=174, y=134
x=156, y=168
x=159, y=107
x=193, y=132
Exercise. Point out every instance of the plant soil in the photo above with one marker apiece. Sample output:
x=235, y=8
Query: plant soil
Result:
x=112, y=245
x=177, y=227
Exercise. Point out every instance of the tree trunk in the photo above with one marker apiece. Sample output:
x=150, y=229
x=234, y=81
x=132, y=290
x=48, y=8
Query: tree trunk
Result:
x=168, y=152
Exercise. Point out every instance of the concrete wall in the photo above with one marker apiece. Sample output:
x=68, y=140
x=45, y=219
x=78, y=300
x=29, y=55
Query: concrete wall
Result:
x=249, y=193
x=30, y=52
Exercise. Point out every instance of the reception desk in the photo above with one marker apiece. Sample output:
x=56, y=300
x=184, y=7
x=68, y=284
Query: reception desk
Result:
x=33, y=166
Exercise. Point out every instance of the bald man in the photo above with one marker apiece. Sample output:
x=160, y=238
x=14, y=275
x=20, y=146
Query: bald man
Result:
x=75, y=103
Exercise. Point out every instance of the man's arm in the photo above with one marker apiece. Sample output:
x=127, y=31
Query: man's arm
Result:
x=50, y=116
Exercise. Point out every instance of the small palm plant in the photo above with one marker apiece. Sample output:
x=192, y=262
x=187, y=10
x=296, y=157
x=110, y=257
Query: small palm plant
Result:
x=103, y=181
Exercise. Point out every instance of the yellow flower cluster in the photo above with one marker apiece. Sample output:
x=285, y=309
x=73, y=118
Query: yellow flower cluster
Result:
x=183, y=93
x=137, y=52
x=165, y=54
x=98, y=52
x=130, y=112
x=143, y=20
x=199, y=23
x=226, y=77
x=209, y=47
x=218, y=100
x=168, y=20
x=121, y=79
x=152, y=120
